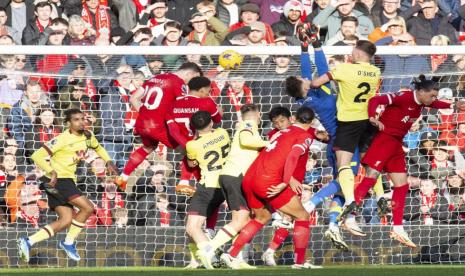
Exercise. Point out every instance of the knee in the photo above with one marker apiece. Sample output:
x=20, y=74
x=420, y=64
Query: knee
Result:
x=302, y=215
x=263, y=218
x=64, y=223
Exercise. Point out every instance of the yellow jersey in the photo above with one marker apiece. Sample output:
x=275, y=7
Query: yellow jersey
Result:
x=357, y=83
x=65, y=151
x=210, y=150
x=244, y=149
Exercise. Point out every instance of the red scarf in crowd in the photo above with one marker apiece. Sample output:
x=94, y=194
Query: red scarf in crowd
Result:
x=102, y=17
x=191, y=37
x=131, y=114
x=235, y=101
x=140, y=6
x=430, y=202
x=47, y=134
x=40, y=27
x=91, y=92
x=437, y=60
x=165, y=218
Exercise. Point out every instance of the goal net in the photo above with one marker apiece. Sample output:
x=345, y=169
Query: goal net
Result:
x=145, y=225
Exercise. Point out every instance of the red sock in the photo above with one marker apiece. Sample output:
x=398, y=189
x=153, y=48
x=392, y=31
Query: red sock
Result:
x=362, y=189
x=211, y=220
x=137, y=157
x=279, y=237
x=245, y=236
x=398, y=203
x=300, y=239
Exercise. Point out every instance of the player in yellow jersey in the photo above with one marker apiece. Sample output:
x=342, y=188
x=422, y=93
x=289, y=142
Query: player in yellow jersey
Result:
x=244, y=149
x=209, y=151
x=358, y=82
x=64, y=153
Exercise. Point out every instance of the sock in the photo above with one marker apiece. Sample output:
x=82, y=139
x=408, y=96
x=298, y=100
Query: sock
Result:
x=363, y=188
x=41, y=235
x=73, y=231
x=398, y=203
x=204, y=246
x=192, y=250
x=245, y=236
x=300, y=239
x=225, y=234
x=137, y=157
x=279, y=237
x=334, y=212
x=346, y=180
x=186, y=173
x=212, y=219
x=327, y=191
x=378, y=188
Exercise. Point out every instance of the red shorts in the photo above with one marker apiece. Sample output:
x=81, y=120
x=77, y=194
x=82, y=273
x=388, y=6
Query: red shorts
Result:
x=255, y=188
x=151, y=136
x=385, y=154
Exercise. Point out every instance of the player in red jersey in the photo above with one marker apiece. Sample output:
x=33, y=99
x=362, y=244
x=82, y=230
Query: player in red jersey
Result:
x=269, y=182
x=152, y=102
x=179, y=116
x=386, y=153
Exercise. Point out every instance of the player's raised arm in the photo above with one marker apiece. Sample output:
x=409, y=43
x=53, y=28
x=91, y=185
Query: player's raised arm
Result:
x=135, y=98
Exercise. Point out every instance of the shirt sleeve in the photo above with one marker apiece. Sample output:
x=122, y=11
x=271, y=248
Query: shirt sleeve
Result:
x=377, y=101
x=337, y=73
x=190, y=150
x=40, y=157
x=215, y=112
x=441, y=105
x=95, y=145
x=248, y=139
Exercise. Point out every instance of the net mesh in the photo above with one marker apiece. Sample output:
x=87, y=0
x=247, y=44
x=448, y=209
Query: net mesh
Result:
x=145, y=226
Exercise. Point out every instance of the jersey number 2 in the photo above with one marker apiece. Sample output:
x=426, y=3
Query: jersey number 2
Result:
x=156, y=101
x=365, y=86
x=216, y=156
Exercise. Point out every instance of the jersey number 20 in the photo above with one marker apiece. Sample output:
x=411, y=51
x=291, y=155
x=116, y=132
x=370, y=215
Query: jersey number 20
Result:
x=365, y=87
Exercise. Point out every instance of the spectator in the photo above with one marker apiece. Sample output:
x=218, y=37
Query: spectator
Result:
x=455, y=194
x=128, y=13
x=115, y=106
x=429, y=23
x=412, y=139
x=7, y=30
x=289, y=20
x=58, y=27
x=426, y=206
x=209, y=31
x=250, y=13
x=349, y=25
x=270, y=10
x=441, y=166
x=235, y=94
x=80, y=33
x=172, y=37
x=37, y=25
x=22, y=113
x=10, y=90
x=419, y=159
x=181, y=10
x=439, y=61
x=331, y=18
x=228, y=11
x=394, y=27
x=46, y=127
x=155, y=64
x=155, y=16
x=103, y=65
x=18, y=13
x=98, y=17
x=443, y=119
x=58, y=10
x=320, y=6
x=10, y=146
x=200, y=60
x=389, y=10
x=32, y=203
x=110, y=203
x=396, y=66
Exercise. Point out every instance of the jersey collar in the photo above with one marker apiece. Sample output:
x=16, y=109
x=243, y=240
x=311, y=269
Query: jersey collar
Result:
x=415, y=98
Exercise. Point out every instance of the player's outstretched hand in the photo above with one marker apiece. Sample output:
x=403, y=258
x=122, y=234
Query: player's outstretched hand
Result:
x=53, y=179
x=377, y=123
x=296, y=186
x=275, y=190
x=111, y=168
x=460, y=104
x=322, y=135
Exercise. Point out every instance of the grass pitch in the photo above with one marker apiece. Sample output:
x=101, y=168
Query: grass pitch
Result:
x=413, y=270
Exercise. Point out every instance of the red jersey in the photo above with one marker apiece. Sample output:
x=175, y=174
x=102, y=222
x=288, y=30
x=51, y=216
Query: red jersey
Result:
x=184, y=107
x=160, y=93
x=271, y=160
x=299, y=173
x=402, y=110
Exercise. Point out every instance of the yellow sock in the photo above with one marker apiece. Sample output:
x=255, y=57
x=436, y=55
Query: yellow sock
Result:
x=225, y=234
x=378, y=188
x=346, y=179
x=73, y=231
x=43, y=234
x=193, y=250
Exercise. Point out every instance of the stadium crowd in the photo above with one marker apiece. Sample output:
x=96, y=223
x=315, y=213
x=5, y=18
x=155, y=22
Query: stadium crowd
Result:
x=32, y=104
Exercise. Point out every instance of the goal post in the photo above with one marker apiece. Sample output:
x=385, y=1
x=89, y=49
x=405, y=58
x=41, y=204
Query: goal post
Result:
x=145, y=225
